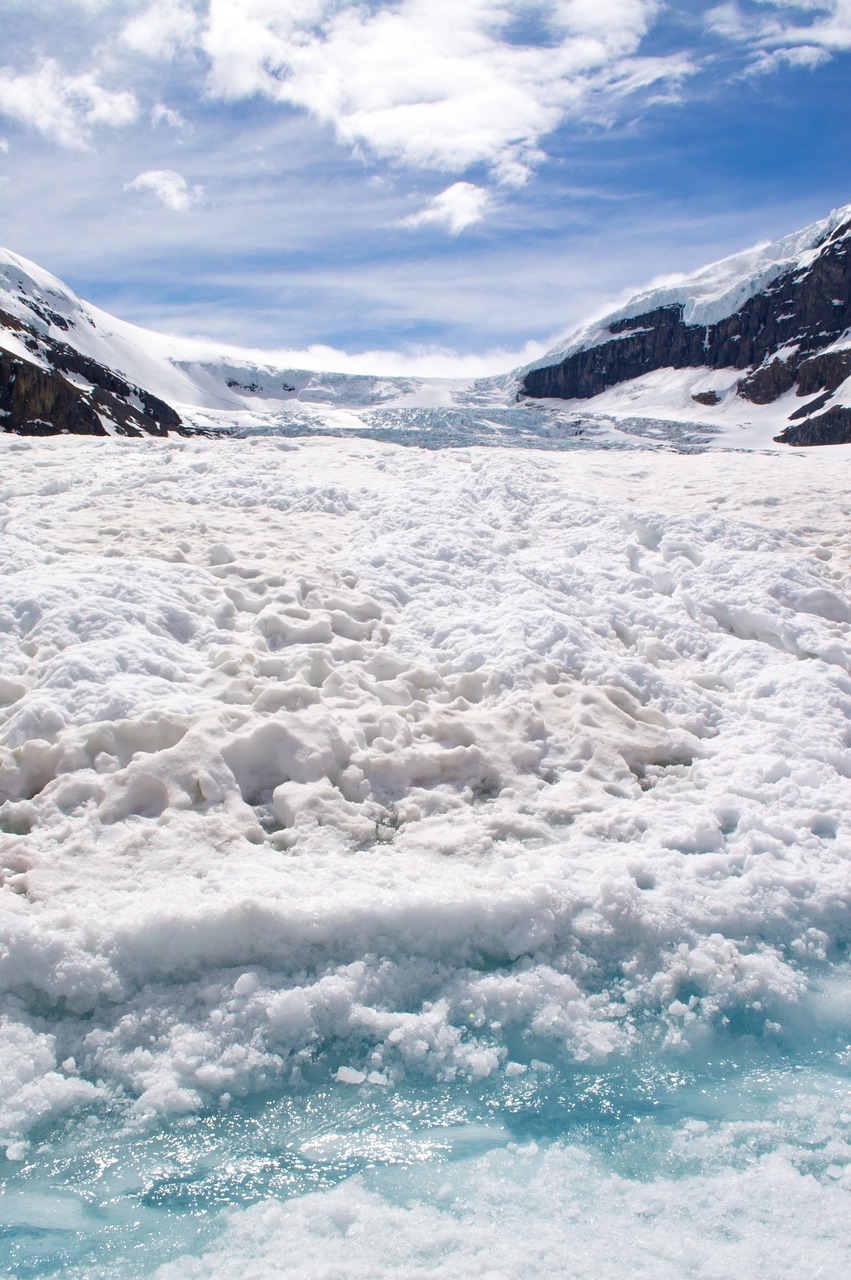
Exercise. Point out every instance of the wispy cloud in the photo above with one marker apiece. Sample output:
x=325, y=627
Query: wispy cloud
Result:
x=169, y=187
x=805, y=56
x=161, y=114
x=784, y=33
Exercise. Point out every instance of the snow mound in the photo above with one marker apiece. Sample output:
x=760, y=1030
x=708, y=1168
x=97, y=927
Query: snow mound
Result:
x=431, y=756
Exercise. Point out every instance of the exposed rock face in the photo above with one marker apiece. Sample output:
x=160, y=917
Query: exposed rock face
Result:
x=768, y=382
x=833, y=427
x=39, y=401
x=829, y=371
x=778, y=335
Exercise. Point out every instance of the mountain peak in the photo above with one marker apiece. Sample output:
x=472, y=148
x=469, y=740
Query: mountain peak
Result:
x=779, y=315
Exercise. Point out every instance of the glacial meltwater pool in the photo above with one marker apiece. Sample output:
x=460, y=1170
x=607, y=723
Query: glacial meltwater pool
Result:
x=732, y=1161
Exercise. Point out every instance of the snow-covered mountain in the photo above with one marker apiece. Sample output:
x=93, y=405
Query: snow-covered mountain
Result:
x=767, y=324
x=67, y=366
x=725, y=355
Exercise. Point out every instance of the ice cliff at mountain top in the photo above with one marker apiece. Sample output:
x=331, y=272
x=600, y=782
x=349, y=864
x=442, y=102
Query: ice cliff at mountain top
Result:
x=750, y=349
x=766, y=322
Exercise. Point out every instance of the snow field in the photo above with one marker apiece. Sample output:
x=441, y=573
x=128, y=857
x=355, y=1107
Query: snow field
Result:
x=408, y=762
x=341, y=771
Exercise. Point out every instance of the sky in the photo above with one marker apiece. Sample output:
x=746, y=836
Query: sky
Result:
x=440, y=186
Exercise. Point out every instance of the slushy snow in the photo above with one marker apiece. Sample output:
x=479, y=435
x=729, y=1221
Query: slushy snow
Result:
x=347, y=774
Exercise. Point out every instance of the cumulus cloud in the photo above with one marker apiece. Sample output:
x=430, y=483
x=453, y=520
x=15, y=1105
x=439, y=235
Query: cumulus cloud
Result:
x=434, y=83
x=459, y=206
x=162, y=30
x=170, y=187
x=65, y=108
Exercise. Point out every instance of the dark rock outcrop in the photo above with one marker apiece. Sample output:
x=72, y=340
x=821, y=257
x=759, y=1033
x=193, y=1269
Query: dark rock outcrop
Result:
x=812, y=406
x=833, y=427
x=40, y=401
x=827, y=371
x=154, y=417
x=767, y=383
x=805, y=309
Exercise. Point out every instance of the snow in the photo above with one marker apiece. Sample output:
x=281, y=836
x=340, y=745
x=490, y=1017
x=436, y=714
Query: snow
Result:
x=191, y=372
x=665, y=397
x=431, y=859
x=362, y=774
x=596, y=1227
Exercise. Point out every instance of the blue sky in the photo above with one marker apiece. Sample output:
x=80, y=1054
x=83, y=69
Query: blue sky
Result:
x=440, y=184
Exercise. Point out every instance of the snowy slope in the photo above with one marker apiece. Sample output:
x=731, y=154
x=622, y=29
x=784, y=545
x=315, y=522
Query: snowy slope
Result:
x=761, y=337
x=799, y=374
x=183, y=372
x=215, y=388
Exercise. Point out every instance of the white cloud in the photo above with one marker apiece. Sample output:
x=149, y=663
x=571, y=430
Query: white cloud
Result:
x=168, y=186
x=727, y=20
x=421, y=361
x=161, y=114
x=459, y=206
x=65, y=108
x=828, y=24
x=435, y=83
x=164, y=29
x=806, y=56
x=797, y=33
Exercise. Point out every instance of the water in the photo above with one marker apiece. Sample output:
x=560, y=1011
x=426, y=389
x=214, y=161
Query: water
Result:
x=105, y=1195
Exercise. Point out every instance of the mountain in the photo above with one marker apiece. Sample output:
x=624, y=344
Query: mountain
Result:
x=67, y=366
x=56, y=373
x=772, y=323
x=725, y=356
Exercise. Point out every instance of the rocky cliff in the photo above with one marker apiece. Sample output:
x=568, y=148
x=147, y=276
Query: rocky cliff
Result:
x=49, y=388
x=791, y=332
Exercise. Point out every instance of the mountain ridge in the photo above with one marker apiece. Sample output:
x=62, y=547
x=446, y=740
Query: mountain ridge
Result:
x=731, y=350
x=790, y=329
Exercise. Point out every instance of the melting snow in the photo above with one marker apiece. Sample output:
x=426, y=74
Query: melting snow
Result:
x=330, y=765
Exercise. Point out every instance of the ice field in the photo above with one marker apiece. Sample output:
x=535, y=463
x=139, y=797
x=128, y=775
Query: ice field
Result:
x=424, y=863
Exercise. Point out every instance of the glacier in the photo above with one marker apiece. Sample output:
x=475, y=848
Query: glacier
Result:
x=218, y=390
